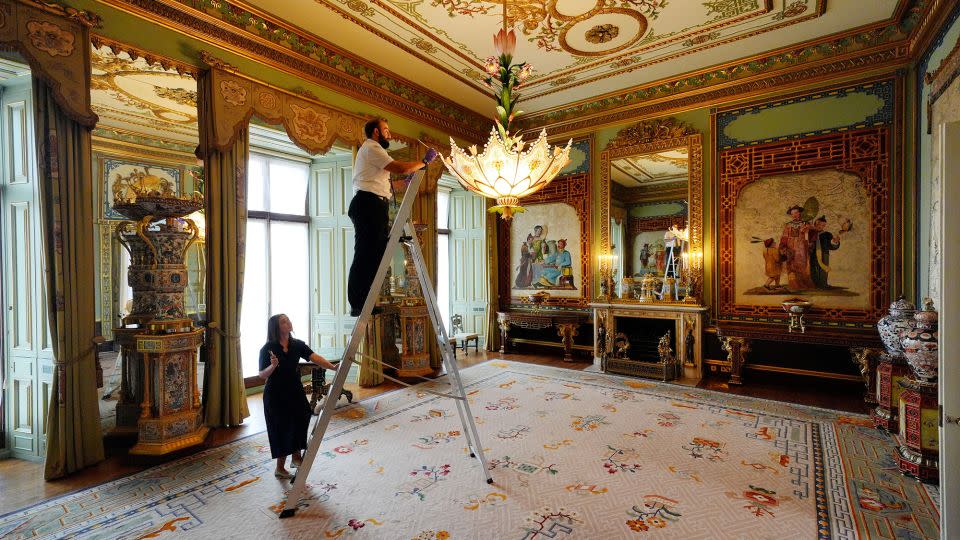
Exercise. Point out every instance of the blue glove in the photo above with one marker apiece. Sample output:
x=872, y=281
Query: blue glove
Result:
x=430, y=155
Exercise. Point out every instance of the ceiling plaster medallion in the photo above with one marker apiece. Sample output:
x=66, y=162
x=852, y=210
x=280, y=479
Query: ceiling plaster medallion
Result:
x=632, y=23
x=602, y=33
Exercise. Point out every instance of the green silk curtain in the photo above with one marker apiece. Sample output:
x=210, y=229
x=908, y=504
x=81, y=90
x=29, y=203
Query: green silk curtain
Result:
x=491, y=338
x=64, y=157
x=225, y=206
x=425, y=211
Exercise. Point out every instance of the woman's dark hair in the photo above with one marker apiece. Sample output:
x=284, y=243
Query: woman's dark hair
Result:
x=273, y=328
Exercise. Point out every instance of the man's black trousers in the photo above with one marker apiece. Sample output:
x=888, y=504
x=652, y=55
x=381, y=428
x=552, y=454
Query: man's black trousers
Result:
x=371, y=226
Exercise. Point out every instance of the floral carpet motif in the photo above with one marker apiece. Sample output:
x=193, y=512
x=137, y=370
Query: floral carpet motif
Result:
x=572, y=454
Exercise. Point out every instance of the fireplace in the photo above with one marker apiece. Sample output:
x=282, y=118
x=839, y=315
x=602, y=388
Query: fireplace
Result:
x=640, y=326
x=643, y=336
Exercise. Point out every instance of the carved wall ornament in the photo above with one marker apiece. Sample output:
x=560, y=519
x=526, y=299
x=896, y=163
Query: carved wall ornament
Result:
x=648, y=131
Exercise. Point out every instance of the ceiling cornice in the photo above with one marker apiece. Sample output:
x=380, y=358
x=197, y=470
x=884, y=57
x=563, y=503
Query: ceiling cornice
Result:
x=261, y=38
x=882, y=45
x=928, y=23
x=889, y=58
x=151, y=58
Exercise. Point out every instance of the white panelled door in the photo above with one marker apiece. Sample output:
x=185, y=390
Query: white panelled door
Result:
x=949, y=306
x=468, y=260
x=28, y=352
x=331, y=244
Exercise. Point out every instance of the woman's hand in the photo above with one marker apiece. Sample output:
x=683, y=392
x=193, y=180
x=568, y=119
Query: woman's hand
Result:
x=322, y=362
x=267, y=371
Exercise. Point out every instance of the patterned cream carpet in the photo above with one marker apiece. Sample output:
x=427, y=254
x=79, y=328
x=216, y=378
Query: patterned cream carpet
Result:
x=573, y=455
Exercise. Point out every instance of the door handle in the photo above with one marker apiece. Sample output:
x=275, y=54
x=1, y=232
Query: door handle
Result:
x=952, y=420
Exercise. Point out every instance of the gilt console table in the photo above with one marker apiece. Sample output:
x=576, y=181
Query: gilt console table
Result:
x=864, y=345
x=566, y=323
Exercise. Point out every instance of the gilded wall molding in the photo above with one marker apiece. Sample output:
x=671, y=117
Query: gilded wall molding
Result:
x=643, y=138
x=265, y=40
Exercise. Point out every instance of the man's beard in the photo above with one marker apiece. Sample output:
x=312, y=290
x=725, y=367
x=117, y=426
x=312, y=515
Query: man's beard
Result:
x=384, y=142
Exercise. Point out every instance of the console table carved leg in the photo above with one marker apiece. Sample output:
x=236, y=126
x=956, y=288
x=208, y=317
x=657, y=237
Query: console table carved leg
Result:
x=866, y=359
x=504, y=323
x=737, y=349
x=567, y=331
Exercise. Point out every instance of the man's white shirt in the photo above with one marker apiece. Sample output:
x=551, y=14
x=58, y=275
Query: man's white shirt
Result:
x=369, y=173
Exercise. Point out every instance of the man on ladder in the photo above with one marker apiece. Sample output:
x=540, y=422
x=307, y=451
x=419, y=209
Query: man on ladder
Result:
x=371, y=267
x=370, y=205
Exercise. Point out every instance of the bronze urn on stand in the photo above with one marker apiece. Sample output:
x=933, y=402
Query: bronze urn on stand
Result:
x=159, y=396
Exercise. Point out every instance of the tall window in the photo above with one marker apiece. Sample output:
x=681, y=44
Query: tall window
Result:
x=443, y=254
x=276, y=274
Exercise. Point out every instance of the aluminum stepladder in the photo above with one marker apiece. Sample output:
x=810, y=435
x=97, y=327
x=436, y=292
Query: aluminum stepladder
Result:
x=401, y=231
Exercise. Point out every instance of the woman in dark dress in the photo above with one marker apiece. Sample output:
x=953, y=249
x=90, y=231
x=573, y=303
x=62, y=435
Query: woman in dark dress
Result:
x=285, y=403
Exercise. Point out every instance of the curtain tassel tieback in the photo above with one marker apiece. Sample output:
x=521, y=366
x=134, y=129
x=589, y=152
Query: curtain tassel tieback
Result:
x=215, y=326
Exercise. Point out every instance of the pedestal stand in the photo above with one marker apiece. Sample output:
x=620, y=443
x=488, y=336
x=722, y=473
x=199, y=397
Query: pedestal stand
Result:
x=919, y=451
x=891, y=370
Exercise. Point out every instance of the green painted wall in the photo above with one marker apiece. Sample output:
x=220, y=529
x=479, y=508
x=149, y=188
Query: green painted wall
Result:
x=805, y=117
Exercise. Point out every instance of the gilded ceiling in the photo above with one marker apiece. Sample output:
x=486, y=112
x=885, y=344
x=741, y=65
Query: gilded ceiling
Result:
x=134, y=97
x=579, y=48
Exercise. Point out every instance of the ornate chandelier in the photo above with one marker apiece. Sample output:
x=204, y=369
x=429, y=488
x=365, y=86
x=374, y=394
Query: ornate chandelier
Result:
x=507, y=169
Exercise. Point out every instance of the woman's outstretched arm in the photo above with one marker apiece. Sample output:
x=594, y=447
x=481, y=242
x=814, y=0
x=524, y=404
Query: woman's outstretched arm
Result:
x=321, y=361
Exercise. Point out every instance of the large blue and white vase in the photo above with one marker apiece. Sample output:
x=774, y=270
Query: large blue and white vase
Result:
x=920, y=344
x=895, y=323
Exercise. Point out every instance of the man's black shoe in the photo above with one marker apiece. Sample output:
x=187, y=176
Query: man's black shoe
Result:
x=356, y=312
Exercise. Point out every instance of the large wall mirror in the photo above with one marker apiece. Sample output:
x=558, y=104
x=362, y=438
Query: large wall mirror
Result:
x=651, y=216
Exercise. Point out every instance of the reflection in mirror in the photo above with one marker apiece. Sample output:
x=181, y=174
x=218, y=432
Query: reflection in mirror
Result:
x=648, y=204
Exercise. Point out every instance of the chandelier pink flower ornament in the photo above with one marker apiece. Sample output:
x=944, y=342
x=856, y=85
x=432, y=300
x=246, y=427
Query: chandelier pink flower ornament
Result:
x=508, y=169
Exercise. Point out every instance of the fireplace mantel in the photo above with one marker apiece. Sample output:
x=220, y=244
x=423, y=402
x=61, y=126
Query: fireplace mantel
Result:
x=688, y=329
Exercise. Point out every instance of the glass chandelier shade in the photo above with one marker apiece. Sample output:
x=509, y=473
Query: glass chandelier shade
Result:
x=505, y=170
x=508, y=169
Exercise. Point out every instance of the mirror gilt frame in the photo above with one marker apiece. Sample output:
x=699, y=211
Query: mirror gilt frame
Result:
x=651, y=136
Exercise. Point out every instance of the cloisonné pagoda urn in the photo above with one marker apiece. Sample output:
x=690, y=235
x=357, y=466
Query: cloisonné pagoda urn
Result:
x=159, y=396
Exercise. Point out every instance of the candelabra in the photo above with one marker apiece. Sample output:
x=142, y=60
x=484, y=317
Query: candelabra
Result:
x=693, y=276
x=608, y=272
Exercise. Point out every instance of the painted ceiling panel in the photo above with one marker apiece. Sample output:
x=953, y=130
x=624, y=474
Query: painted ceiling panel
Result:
x=578, y=48
x=651, y=169
x=134, y=97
